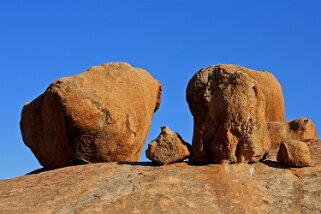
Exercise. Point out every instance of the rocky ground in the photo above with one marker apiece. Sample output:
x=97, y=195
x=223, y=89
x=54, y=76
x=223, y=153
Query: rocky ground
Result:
x=267, y=187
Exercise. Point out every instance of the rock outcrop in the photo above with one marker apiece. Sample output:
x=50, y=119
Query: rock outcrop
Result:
x=169, y=147
x=103, y=114
x=266, y=187
x=231, y=106
x=301, y=129
x=294, y=153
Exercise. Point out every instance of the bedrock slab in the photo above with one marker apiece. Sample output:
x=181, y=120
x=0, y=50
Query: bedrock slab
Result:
x=267, y=187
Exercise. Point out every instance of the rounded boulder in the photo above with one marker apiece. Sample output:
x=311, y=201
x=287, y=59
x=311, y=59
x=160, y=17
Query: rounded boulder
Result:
x=231, y=106
x=103, y=114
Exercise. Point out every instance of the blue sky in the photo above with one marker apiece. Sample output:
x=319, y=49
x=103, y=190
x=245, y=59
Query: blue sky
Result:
x=41, y=41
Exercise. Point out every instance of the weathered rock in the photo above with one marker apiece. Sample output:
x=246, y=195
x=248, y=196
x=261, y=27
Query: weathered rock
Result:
x=103, y=114
x=301, y=129
x=231, y=106
x=169, y=147
x=267, y=187
x=294, y=153
x=279, y=132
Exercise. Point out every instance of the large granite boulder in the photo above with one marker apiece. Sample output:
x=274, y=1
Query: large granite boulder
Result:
x=103, y=114
x=231, y=106
x=169, y=147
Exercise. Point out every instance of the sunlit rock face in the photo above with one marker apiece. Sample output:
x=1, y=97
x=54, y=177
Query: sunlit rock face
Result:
x=103, y=114
x=294, y=153
x=173, y=188
x=168, y=147
x=231, y=106
x=302, y=129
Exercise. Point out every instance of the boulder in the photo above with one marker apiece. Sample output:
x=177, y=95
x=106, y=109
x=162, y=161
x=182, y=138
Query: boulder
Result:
x=294, y=153
x=231, y=106
x=279, y=131
x=103, y=114
x=301, y=129
x=168, y=148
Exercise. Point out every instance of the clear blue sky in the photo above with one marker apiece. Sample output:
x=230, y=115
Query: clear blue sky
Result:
x=41, y=41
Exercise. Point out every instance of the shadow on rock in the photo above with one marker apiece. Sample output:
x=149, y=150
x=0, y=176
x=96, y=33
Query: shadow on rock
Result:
x=276, y=164
x=37, y=171
x=137, y=163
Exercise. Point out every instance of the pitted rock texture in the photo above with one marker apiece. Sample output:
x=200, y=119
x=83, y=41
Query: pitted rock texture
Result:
x=301, y=129
x=294, y=153
x=261, y=188
x=168, y=148
x=231, y=106
x=103, y=114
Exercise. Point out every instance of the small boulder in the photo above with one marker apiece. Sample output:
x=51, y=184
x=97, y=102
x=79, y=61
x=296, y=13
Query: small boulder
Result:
x=101, y=115
x=169, y=147
x=294, y=153
x=301, y=129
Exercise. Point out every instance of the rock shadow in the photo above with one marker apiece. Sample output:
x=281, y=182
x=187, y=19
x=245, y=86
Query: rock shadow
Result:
x=276, y=164
x=137, y=163
x=158, y=164
x=37, y=171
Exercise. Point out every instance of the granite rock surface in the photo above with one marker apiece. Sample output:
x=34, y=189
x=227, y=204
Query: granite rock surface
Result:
x=169, y=147
x=264, y=187
x=231, y=106
x=103, y=114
